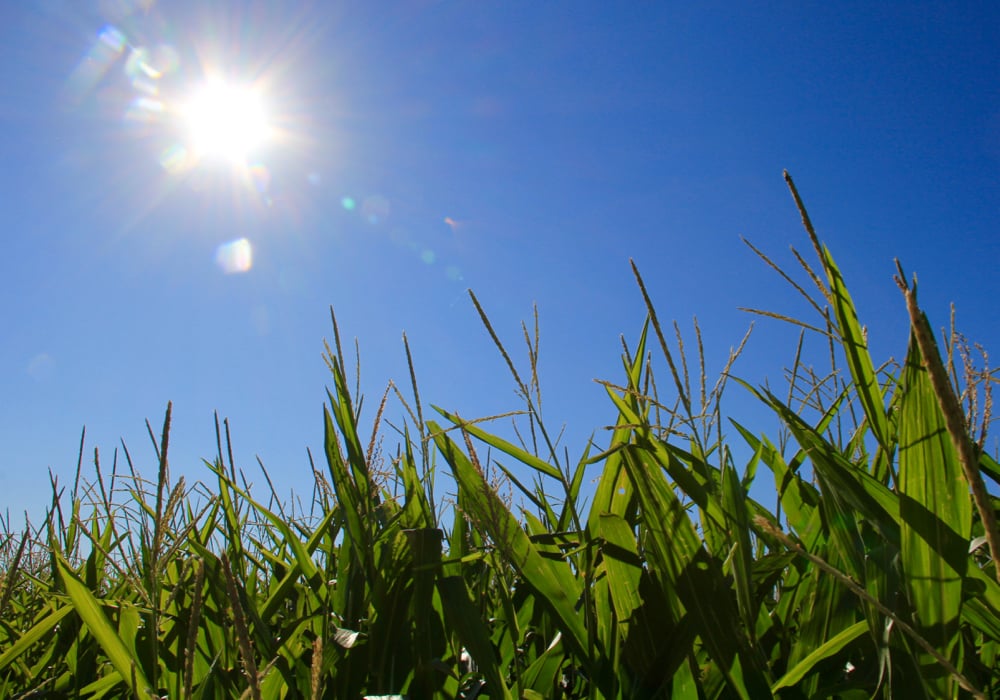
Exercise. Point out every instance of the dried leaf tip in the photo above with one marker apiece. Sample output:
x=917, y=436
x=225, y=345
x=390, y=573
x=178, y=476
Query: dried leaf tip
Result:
x=900, y=278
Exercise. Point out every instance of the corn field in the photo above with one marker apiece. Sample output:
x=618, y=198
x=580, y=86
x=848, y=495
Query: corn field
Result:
x=440, y=570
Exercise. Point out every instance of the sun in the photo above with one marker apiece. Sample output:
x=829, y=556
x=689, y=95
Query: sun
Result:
x=225, y=121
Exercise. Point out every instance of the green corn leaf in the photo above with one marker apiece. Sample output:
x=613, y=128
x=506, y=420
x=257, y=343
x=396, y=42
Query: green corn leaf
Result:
x=986, y=588
x=684, y=686
x=90, y=612
x=347, y=491
x=639, y=357
x=830, y=610
x=340, y=405
x=606, y=625
x=741, y=558
x=521, y=455
x=935, y=511
x=614, y=490
x=234, y=542
x=543, y=674
x=981, y=617
x=102, y=686
x=417, y=511
x=989, y=466
x=573, y=497
x=38, y=631
x=856, y=349
x=622, y=562
x=833, y=646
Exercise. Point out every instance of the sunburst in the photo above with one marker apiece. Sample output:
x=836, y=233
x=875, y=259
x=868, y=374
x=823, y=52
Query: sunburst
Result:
x=225, y=120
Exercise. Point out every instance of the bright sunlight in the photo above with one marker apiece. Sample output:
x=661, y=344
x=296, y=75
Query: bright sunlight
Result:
x=225, y=120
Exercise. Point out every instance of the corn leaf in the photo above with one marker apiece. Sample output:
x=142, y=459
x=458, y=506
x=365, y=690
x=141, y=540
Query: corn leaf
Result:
x=90, y=612
x=521, y=455
x=833, y=646
x=36, y=632
x=935, y=511
x=856, y=349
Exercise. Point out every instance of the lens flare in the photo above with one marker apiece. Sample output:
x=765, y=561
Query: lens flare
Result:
x=144, y=109
x=103, y=53
x=235, y=257
x=175, y=159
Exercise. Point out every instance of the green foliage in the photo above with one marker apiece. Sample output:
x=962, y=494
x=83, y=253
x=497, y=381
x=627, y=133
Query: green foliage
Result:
x=871, y=576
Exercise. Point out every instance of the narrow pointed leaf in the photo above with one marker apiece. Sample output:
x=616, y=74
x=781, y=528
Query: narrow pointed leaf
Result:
x=90, y=612
x=935, y=510
x=38, y=631
x=509, y=448
x=825, y=651
x=856, y=349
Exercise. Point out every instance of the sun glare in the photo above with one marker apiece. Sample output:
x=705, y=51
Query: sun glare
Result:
x=226, y=121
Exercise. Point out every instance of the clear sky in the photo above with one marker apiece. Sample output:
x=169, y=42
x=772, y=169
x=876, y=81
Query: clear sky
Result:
x=387, y=156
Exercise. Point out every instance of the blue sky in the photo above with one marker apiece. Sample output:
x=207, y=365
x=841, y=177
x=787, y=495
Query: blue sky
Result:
x=417, y=149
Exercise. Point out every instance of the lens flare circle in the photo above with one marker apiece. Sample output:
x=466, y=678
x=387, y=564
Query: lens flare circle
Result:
x=235, y=257
x=225, y=120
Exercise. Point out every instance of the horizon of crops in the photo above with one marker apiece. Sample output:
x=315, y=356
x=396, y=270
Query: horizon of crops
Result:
x=438, y=570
